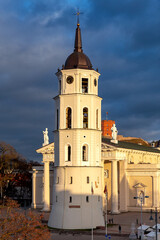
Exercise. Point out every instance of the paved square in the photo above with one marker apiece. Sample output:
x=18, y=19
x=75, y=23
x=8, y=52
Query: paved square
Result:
x=123, y=219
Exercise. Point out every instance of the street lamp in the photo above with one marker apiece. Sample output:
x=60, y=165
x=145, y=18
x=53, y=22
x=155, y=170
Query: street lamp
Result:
x=141, y=198
x=151, y=218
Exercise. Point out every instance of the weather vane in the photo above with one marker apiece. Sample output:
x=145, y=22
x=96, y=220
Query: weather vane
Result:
x=77, y=14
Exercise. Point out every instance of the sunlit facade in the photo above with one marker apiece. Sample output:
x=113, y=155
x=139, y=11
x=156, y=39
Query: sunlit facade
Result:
x=77, y=165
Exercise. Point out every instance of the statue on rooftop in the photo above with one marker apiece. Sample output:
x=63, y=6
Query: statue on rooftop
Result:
x=46, y=138
x=114, y=132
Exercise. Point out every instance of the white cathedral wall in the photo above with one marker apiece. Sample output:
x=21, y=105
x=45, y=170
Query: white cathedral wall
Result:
x=77, y=138
x=70, y=177
x=77, y=102
x=78, y=213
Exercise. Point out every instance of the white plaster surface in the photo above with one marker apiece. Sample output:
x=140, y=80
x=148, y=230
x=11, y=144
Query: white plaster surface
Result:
x=77, y=214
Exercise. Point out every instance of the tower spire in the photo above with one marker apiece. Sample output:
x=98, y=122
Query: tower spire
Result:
x=78, y=59
x=78, y=40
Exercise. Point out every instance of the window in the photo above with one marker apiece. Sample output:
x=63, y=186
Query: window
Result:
x=70, y=199
x=68, y=117
x=97, y=118
x=85, y=153
x=98, y=198
x=67, y=153
x=85, y=117
x=87, y=179
x=56, y=199
x=71, y=180
x=84, y=85
x=87, y=199
x=57, y=119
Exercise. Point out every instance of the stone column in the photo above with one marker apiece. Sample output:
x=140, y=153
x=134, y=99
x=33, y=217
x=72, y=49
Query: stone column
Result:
x=155, y=192
x=34, y=188
x=123, y=186
x=46, y=185
x=114, y=188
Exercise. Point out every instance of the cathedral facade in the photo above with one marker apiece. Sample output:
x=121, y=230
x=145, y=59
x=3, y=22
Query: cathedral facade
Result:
x=128, y=170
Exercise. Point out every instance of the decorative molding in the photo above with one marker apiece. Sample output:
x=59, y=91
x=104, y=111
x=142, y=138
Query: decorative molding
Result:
x=139, y=185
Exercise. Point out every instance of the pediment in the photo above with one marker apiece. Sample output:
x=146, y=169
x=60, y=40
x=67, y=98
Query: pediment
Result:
x=47, y=149
x=139, y=185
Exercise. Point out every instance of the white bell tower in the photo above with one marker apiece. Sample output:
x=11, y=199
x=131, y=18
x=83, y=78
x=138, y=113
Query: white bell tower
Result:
x=77, y=138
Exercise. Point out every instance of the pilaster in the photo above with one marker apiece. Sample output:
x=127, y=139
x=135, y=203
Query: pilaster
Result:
x=46, y=185
x=123, y=186
x=114, y=188
x=155, y=191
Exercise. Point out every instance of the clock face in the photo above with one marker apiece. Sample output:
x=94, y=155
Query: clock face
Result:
x=70, y=79
x=95, y=82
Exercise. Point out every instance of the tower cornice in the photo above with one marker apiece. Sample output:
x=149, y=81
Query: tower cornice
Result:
x=79, y=94
x=76, y=70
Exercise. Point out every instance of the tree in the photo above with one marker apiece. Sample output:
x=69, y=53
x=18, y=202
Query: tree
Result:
x=8, y=157
x=15, y=179
x=18, y=224
x=7, y=154
x=15, y=175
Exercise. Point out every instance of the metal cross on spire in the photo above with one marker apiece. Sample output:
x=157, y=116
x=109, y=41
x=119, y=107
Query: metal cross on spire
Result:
x=78, y=13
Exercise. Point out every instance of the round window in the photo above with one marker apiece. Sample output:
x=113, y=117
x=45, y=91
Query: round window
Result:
x=70, y=79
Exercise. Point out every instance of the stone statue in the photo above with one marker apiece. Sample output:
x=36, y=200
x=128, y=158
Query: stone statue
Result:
x=46, y=138
x=114, y=132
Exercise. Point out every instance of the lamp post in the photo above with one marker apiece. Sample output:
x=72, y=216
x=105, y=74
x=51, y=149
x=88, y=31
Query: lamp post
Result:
x=156, y=222
x=141, y=198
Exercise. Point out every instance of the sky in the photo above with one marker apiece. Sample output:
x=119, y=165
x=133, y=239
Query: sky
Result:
x=122, y=40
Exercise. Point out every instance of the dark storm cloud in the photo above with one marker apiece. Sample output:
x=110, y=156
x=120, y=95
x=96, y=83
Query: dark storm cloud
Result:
x=121, y=38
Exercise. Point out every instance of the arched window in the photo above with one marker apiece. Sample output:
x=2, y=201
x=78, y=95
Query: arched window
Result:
x=68, y=117
x=85, y=117
x=97, y=118
x=68, y=153
x=85, y=152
